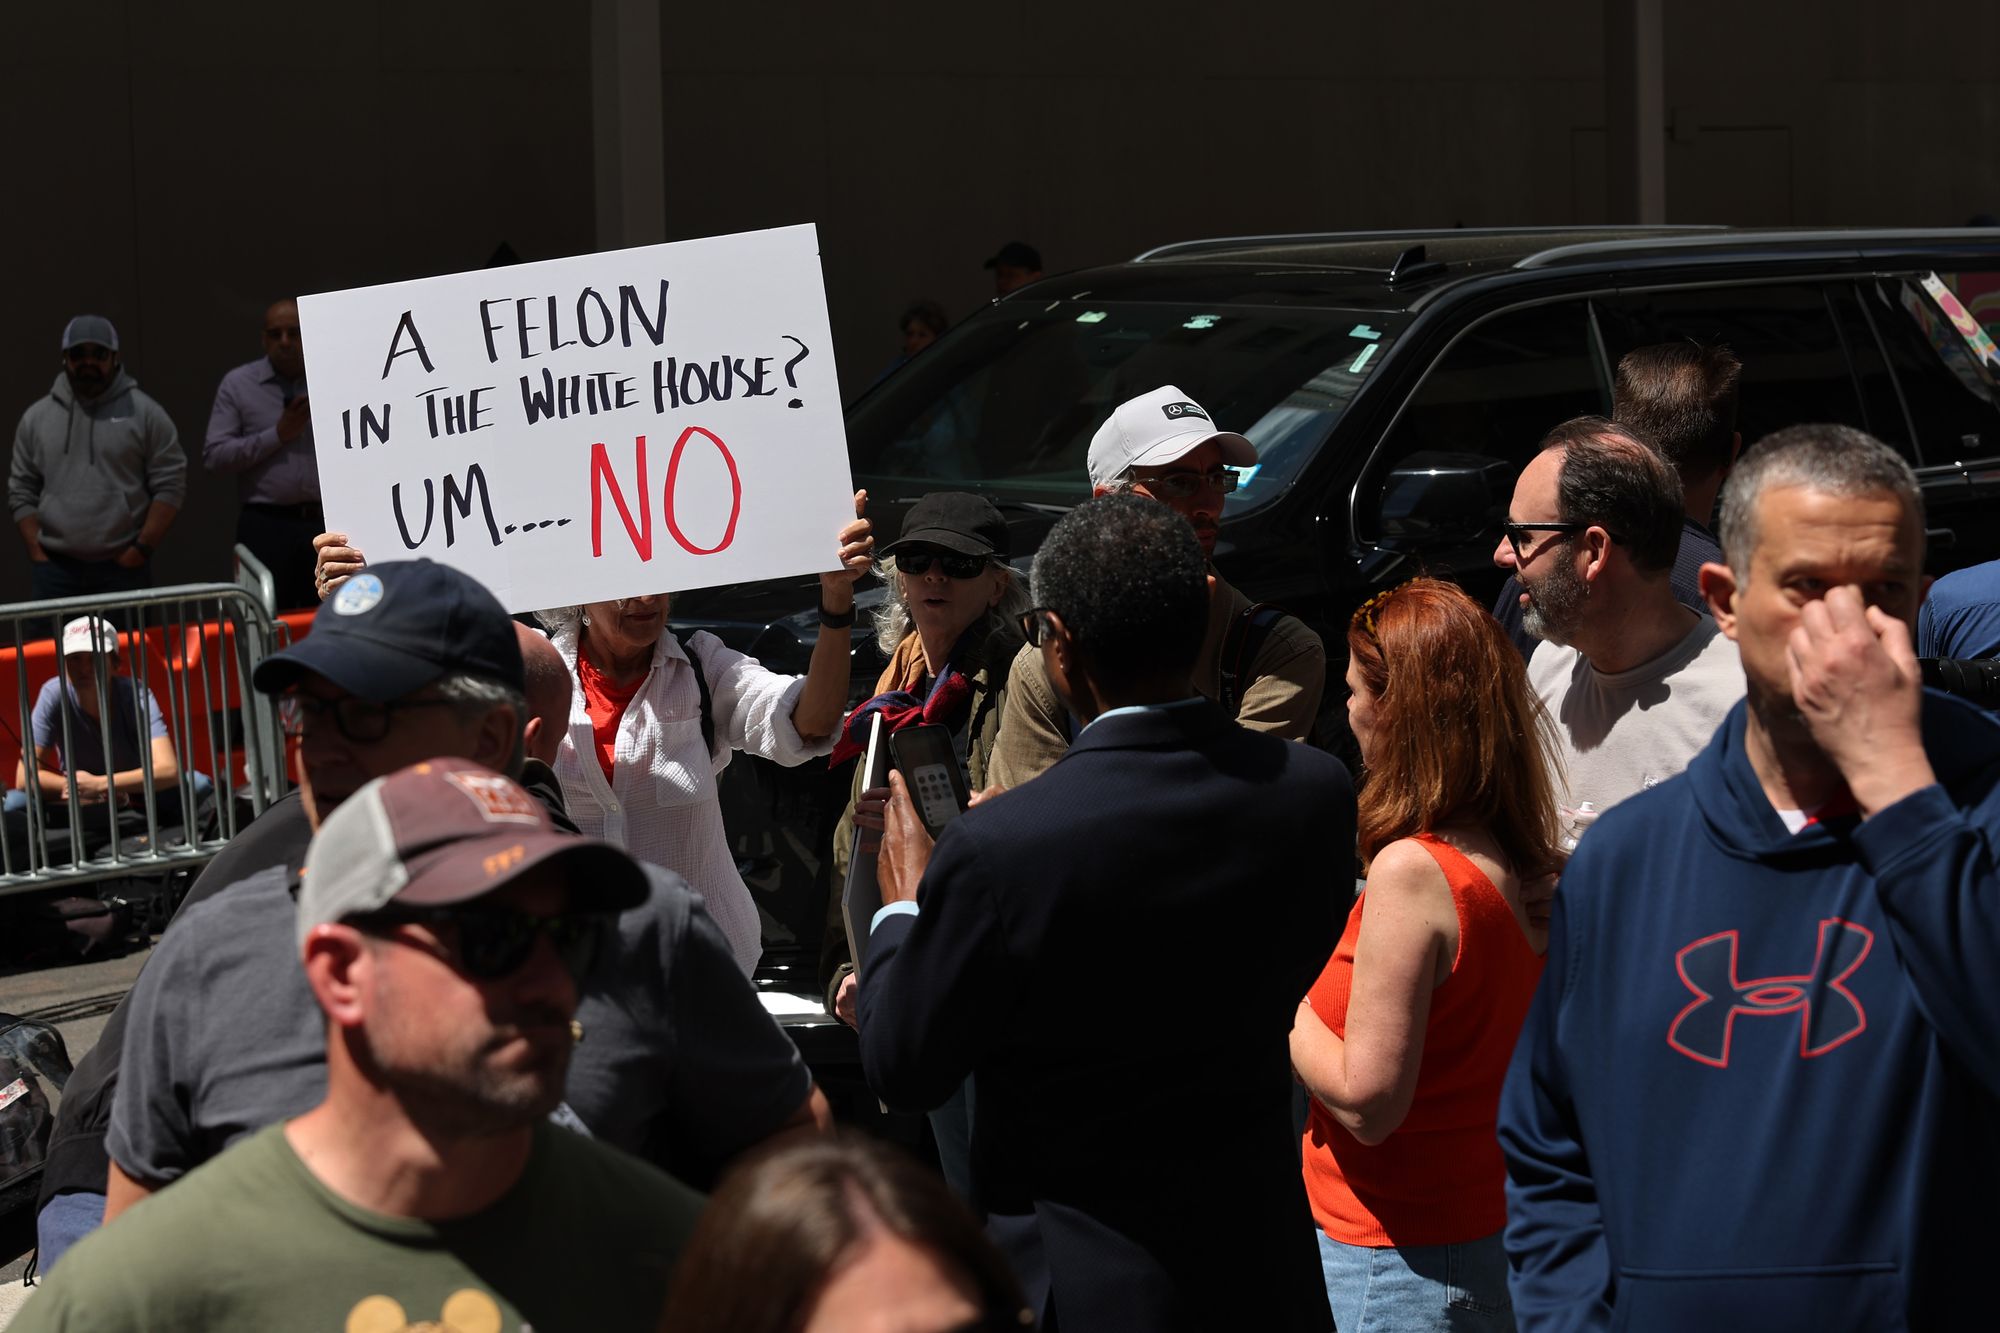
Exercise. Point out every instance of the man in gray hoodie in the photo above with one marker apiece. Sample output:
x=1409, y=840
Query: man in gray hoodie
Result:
x=97, y=473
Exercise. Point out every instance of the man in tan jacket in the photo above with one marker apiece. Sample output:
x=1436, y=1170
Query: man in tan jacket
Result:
x=1267, y=668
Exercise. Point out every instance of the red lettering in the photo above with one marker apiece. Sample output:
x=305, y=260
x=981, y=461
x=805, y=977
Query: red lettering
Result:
x=601, y=475
x=673, y=474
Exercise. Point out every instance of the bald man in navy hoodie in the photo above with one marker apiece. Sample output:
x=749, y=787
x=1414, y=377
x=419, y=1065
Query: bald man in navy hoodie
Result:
x=1758, y=1087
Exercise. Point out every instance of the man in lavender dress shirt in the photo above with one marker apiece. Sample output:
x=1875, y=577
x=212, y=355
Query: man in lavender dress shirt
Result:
x=260, y=431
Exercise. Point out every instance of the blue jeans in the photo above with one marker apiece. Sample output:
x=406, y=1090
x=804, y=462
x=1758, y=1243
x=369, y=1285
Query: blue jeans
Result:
x=67, y=1219
x=166, y=799
x=61, y=576
x=1419, y=1288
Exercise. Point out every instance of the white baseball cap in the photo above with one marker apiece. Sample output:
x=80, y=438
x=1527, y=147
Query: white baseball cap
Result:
x=77, y=636
x=1155, y=429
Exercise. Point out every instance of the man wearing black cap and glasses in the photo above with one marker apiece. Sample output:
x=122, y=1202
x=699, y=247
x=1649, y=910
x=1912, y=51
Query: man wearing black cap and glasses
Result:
x=97, y=474
x=1015, y=264
x=1265, y=668
x=444, y=925
x=408, y=661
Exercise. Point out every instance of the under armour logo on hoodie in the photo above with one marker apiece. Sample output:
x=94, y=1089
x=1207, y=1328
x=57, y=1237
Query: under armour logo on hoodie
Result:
x=1829, y=1014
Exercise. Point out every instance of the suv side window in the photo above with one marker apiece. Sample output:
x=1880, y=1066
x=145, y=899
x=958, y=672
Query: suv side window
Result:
x=1498, y=390
x=1948, y=392
x=1795, y=366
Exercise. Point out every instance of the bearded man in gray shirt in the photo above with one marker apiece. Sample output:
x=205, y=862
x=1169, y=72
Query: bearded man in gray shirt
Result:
x=1635, y=682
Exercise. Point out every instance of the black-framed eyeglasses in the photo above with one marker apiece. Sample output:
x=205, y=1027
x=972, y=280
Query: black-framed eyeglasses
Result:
x=1516, y=532
x=1187, y=485
x=1034, y=623
x=489, y=943
x=918, y=560
x=88, y=352
x=361, y=721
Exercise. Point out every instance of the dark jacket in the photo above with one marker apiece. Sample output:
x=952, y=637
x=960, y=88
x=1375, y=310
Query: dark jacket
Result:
x=1115, y=952
x=1758, y=1084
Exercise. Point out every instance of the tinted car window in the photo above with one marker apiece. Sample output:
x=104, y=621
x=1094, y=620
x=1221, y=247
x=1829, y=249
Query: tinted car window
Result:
x=1949, y=392
x=1496, y=393
x=1795, y=367
x=1882, y=413
x=1008, y=401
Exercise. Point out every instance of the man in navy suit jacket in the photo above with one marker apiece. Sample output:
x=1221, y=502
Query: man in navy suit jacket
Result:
x=1114, y=951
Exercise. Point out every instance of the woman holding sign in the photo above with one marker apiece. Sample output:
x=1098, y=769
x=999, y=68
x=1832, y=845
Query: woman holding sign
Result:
x=654, y=718
x=949, y=629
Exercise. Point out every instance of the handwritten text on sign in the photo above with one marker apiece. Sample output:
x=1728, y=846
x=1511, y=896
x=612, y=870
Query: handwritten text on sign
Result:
x=616, y=424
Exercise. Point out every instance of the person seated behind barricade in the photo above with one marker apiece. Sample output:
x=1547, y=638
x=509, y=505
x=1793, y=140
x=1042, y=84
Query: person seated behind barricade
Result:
x=1404, y=1039
x=70, y=734
x=442, y=926
x=949, y=629
x=841, y=1233
x=650, y=728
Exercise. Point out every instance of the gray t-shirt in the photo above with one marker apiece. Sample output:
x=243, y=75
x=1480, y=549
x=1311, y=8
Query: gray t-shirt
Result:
x=222, y=1037
x=86, y=736
x=1620, y=733
x=679, y=1063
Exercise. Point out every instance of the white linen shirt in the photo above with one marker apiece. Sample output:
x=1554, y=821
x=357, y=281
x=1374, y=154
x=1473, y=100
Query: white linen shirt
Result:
x=661, y=803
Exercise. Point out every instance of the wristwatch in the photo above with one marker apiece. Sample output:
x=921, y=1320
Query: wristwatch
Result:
x=835, y=621
x=141, y=548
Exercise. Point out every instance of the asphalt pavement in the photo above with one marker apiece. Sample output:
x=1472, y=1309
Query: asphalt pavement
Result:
x=76, y=999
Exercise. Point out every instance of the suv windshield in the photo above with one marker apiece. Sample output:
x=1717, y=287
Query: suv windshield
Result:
x=1008, y=401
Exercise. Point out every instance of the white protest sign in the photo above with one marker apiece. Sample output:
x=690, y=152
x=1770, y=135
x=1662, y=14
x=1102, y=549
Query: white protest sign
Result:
x=633, y=422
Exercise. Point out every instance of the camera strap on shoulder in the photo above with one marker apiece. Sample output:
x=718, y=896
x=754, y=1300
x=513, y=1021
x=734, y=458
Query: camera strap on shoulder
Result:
x=686, y=640
x=1240, y=646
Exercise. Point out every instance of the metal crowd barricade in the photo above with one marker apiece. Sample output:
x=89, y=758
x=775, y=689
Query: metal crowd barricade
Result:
x=191, y=649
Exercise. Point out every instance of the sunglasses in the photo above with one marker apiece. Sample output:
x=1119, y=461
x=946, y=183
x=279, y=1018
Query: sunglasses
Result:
x=1518, y=533
x=1034, y=623
x=490, y=943
x=1187, y=485
x=88, y=352
x=361, y=721
x=957, y=566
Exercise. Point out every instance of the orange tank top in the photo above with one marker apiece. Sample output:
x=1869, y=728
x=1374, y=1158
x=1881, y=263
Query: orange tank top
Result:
x=1438, y=1179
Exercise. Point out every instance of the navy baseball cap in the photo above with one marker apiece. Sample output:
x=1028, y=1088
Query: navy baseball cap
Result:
x=394, y=628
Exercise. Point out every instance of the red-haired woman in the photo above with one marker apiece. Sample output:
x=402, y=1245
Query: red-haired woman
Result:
x=1405, y=1038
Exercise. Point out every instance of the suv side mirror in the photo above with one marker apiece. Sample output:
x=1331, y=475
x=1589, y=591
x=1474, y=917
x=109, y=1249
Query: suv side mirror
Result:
x=1437, y=500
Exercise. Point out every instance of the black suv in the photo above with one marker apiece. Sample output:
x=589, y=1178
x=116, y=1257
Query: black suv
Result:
x=1394, y=384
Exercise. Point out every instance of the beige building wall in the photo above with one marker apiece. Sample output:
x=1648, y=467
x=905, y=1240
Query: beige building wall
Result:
x=175, y=166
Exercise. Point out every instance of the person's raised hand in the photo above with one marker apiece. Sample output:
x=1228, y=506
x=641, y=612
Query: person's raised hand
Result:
x=334, y=561
x=906, y=846
x=1856, y=682
x=857, y=557
x=844, y=1004
x=292, y=422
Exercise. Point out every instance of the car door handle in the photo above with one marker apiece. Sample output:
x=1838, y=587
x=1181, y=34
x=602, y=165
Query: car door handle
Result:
x=1940, y=537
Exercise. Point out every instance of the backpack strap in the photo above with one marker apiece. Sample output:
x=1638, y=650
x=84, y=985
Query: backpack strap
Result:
x=686, y=639
x=1240, y=646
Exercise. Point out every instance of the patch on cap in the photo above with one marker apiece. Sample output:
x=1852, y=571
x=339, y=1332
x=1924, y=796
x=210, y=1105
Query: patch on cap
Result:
x=1175, y=411
x=499, y=801
x=358, y=595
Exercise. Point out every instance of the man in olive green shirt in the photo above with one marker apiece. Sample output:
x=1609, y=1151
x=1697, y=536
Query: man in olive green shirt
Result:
x=1164, y=445
x=442, y=921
